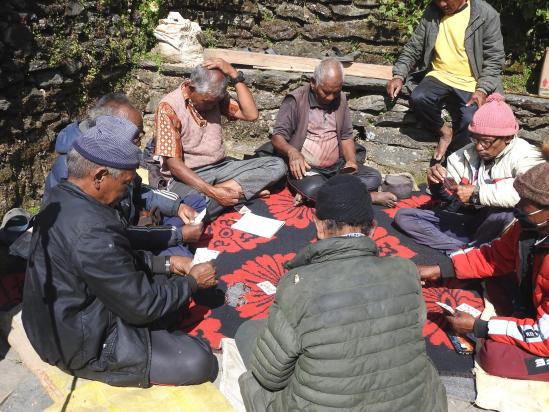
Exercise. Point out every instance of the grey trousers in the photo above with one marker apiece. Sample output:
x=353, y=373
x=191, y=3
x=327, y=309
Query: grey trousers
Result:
x=252, y=175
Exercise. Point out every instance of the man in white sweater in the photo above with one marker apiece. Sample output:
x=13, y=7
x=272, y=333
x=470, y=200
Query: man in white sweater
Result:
x=476, y=187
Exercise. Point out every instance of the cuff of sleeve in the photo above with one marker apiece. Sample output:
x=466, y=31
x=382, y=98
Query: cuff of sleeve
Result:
x=447, y=268
x=479, y=89
x=192, y=283
x=480, y=328
x=160, y=265
x=178, y=234
x=398, y=76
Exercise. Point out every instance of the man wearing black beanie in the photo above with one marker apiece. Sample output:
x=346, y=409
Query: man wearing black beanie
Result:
x=345, y=329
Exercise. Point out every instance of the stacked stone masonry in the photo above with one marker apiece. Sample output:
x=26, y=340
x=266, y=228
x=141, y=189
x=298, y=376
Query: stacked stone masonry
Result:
x=38, y=96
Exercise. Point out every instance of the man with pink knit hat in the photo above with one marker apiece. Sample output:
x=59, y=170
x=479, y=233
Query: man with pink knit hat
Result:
x=476, y=189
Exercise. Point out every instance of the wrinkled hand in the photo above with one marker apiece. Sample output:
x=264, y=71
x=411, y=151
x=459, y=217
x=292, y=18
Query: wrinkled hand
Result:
x=478, y=98
x=428, y=273
x=464, y=192
x=394, y=87
x=180, y=265
x=225, y=196
x=436, y=173
x=192, y=233
x=297, y=163
x=204, y=274
x=186, y=213
x=462, y=323
x=224, y=66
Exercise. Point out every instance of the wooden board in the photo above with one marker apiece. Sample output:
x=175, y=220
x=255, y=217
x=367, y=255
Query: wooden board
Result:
x=295, y=64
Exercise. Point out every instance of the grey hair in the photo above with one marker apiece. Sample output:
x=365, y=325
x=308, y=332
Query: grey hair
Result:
x=205, y=81
x=109, y=105
x=80, y=167
x=328, y=67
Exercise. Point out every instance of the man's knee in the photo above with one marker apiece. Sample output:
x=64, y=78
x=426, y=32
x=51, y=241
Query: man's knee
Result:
x=420, y=98
x=404, y=218
x=202, y=366
x=370, y=177
x=276, y=166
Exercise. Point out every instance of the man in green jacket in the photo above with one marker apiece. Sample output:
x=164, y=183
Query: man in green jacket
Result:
x=345, y=329
x=457, y=51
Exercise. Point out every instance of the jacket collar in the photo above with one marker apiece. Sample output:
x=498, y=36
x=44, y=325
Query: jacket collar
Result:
x=334, y=248
x=75, y=190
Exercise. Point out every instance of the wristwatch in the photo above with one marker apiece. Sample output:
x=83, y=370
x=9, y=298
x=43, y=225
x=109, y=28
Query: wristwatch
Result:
x=239, y=78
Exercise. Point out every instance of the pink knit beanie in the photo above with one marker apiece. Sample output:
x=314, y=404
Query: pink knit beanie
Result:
x=494, y=118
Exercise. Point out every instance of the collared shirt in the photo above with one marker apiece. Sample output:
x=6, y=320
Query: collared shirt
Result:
x=287, y=118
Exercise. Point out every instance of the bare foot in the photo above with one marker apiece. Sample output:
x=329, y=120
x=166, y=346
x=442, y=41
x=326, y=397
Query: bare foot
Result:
x=387, y=199
x=446, y=134
x=298, y=200
x=264, y=193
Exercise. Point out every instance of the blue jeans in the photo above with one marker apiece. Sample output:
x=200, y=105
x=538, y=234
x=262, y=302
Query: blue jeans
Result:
x=448, y=231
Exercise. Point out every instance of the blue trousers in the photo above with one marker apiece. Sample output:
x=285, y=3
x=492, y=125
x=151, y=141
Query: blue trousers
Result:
x=198, y=203
x=448, y=231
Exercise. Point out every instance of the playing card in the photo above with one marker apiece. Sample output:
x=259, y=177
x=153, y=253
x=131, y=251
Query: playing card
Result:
x=267, y=287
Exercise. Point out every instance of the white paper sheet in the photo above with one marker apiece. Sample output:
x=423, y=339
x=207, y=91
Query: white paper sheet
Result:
x=203, y=254
x=258, y=225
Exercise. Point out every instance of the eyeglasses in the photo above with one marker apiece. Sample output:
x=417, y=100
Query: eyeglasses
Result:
x=483, y=143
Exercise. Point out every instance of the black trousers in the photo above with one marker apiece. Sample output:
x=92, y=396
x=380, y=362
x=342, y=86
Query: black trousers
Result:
x=308, y=186
x=179, y=359
x=427, y=100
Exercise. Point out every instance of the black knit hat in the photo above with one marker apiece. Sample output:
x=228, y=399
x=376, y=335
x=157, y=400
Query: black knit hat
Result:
x=344, y=198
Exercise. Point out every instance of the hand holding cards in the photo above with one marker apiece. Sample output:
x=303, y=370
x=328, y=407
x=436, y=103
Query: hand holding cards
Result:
x=461, y=321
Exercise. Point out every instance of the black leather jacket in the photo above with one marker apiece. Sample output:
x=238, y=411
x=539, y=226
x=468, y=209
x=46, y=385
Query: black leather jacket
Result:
x=88, y=297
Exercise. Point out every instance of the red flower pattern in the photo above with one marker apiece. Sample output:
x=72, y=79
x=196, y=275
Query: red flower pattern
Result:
x=415, y=201
x=223, y=238
x=453, y=294
x=390, y=245
x=197, y=321
x=281, y=206
x=255, y=271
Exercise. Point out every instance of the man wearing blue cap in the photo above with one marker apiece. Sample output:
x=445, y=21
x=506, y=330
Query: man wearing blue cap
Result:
x=91, y=305
x=345, y=329
x=175, y=212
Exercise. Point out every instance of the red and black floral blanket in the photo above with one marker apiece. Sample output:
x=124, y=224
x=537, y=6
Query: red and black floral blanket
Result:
x=246, y=260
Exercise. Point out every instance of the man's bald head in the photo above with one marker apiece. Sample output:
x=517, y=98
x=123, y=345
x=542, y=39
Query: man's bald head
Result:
x=208, y=81
x=327, y=81
x=329, y=70
x=118, y=105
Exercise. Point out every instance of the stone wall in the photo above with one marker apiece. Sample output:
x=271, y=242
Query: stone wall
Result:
x=55, y=57
x=299, y=28
x=394, y=140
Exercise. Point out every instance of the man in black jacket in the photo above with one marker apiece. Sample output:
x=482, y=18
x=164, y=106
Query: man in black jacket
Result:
x=91, y=305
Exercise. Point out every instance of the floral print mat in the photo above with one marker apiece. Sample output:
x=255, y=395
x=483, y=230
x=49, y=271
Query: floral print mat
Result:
x=246, y=260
